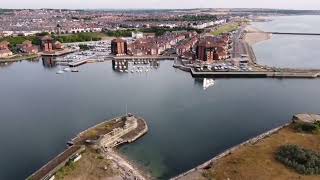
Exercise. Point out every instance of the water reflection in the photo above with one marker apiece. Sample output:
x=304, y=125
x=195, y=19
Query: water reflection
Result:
x=48, y=62
x=134, y=66
x=205, y=83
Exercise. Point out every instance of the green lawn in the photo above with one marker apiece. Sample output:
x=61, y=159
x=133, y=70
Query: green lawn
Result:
x=225, y=29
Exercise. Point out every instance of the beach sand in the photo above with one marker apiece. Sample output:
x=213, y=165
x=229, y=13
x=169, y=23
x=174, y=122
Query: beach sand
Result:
x=256, y=37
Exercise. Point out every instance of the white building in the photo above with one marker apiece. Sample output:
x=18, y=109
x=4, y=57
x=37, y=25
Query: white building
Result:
x=137, y=35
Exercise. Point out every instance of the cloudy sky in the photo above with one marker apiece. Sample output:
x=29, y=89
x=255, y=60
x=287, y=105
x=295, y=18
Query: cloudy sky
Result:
x=137, y=4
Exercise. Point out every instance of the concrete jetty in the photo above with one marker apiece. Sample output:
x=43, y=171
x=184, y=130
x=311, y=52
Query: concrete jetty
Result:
x=77, y=63
x=255, y=74
x=125, y=129
x=286, y=33
x=57, y=53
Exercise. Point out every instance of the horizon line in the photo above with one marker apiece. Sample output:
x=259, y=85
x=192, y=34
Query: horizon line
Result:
x=153, y=9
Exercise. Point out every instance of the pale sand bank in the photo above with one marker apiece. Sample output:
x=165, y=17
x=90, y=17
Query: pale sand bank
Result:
x=258, y=36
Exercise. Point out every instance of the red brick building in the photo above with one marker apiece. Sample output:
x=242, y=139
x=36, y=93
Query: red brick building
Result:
x=27, y=47
x=4, y=49
x=4, y=45
x=211, y=49
x=119, y=47
x=46, y=44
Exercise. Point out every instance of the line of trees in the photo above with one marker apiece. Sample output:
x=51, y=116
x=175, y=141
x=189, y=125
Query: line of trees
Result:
x=302, y=160
x=14, y=41
x=159, y=31
x=81, y=37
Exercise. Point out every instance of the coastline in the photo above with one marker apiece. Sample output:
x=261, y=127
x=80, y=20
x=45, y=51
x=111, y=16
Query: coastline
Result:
x=135, y=166
x=20, y=58
x=197, y=172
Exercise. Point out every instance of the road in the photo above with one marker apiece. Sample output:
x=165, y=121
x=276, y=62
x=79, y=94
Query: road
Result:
x=238, y=44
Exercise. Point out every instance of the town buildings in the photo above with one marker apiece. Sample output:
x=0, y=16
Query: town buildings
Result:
x=27, y=48
x=152, y=45
x=46, y=44
x=4, y=50
x=210, y=49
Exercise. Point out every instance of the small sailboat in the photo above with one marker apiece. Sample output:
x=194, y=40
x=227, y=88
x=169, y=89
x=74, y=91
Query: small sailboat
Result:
x=67, y=69
x=208, y=83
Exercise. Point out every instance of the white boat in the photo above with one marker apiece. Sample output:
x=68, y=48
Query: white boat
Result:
x=208, y=83
x=60, y=72
x=126, y=70
x=67, y=69
x=132, y=71
x=121, y=70
x=74, y=70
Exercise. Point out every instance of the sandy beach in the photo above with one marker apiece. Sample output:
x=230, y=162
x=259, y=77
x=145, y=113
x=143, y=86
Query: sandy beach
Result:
x=256, y=37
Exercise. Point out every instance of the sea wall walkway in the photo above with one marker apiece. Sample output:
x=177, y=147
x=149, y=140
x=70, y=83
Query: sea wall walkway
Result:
x=255, y=74
x=214, y=160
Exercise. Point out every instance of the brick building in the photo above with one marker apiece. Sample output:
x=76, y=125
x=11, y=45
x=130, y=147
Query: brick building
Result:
x=27, y=47
x=46, y=44
x=119, y=47
x=210, y=49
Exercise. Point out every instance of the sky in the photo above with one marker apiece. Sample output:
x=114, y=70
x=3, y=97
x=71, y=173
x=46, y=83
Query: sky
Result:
x=163, y=4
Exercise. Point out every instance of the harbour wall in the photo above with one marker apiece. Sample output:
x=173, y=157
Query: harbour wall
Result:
x=49, y=169
x=227, y=152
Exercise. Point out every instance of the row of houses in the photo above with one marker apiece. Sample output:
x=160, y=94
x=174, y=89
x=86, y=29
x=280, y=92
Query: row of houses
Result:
x=26, y=48
x=48, y=45
x=157, y=45
x=209, y=24
x=187, y=45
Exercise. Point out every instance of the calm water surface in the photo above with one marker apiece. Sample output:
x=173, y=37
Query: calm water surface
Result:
x=40, y=111
x=290, y=50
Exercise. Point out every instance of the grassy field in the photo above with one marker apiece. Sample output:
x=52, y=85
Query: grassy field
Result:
x=91, y=166
x=257, y=162
x=225, y=29
x=20, y=58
